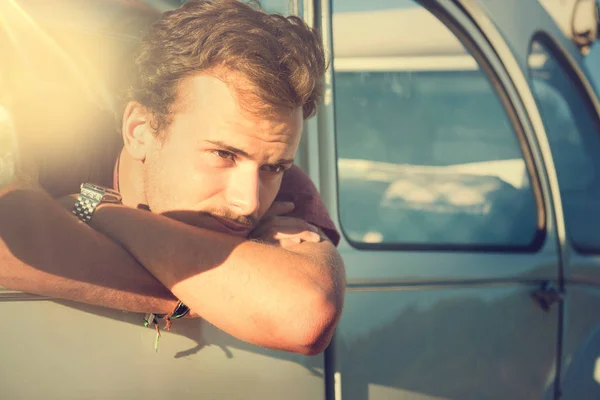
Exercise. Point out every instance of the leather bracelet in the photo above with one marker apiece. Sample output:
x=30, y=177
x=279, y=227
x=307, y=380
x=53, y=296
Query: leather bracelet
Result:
x=180, y=311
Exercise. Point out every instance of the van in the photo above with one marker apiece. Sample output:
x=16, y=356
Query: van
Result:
x=457, y=151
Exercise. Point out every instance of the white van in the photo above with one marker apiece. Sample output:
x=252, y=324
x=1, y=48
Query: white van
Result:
x=458, y=151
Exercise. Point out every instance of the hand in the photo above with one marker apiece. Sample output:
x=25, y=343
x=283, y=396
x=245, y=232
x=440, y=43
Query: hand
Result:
x=276, y=228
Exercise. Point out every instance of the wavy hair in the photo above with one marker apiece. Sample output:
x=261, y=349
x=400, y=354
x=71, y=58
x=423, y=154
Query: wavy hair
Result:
x=280, y=59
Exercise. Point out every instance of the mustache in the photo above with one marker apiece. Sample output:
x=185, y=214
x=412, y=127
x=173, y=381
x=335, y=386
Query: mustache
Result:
x=247, y=220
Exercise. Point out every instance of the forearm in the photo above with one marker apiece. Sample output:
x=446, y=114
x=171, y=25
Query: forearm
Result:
x=46, y=251
x=259, y=293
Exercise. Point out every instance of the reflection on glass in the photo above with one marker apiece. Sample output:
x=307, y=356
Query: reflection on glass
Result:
x=284, y=7
x=573, y=132
x=372, y=5
x=427, y=154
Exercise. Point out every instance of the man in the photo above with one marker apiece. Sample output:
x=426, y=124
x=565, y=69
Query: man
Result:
x=210, y=133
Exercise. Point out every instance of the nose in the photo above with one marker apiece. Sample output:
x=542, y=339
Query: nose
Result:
x=243, y=191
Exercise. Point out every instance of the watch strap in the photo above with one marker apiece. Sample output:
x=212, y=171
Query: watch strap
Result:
x=90, y=196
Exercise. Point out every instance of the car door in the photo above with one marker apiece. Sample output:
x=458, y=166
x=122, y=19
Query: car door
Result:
x=52, y=349
x=571, y=120
x=557, y=72
x=440, y=190
x=570, y=111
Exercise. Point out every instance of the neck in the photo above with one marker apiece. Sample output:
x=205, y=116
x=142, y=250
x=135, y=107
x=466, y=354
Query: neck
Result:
x=131, y=180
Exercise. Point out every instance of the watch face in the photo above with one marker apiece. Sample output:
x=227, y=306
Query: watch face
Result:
x=99, y=193
x=91, y=193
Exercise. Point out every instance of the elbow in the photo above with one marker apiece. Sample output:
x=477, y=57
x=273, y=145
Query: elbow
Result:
x=313, y=335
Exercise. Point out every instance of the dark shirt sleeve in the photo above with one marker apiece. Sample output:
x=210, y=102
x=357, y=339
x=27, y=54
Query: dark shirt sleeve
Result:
x=297, y=187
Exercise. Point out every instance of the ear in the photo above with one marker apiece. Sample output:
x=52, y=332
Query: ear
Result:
x=137, y=131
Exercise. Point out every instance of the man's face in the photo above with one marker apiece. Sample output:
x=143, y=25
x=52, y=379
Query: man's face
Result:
x=218, y=159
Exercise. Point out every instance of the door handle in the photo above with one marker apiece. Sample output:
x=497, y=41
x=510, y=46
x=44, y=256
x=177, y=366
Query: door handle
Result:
x=547, y=295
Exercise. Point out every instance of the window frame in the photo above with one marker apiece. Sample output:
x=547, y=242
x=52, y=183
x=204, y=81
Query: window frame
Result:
x=582, y=84
x=486, y=67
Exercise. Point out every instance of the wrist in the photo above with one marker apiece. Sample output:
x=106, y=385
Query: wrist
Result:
x=102, y=213
x=90, y=197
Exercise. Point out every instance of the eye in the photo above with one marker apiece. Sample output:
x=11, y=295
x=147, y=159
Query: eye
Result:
x=274, y=169
x=224, y=154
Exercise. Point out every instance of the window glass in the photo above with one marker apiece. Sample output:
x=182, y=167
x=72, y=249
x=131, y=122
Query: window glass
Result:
x=426, y=152
x=573, y=132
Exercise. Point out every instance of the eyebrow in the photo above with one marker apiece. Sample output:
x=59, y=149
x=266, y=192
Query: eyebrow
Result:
x=242, y=153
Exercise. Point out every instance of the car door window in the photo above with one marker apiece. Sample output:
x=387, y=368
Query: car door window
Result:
x=427, y=152
x=573, y=131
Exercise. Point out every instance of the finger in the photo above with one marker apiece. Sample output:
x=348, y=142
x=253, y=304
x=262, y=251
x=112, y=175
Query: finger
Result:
x=313, y=237
x=306, y=236
x=279, y=208
x=310, y=237
x=289, y=242
x=291, y=224
x=285, y=227
x=276, y=223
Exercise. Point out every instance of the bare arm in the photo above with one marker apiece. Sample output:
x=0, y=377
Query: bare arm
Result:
x=46, y=251
x=283, y=298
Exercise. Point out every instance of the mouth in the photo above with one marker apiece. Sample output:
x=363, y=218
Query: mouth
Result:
x=232, y=227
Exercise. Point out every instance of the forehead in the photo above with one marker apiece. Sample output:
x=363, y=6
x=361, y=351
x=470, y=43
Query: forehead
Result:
x=210, y=106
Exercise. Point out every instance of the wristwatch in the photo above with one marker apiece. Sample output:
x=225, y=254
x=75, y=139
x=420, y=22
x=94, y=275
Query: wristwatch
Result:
x=90, y=196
